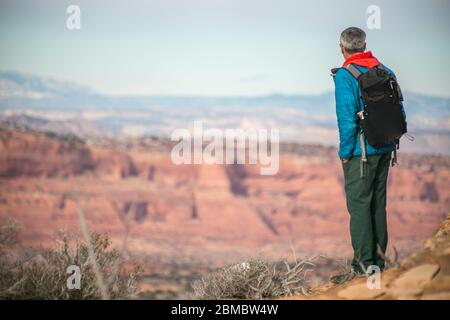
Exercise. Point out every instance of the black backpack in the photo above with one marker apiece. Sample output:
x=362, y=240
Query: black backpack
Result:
x=382, y=117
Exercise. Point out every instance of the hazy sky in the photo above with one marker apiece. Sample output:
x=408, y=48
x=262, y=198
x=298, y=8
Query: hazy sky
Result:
x=221, y=47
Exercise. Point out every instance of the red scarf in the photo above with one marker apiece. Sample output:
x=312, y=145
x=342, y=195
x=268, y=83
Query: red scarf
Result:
x=364, y=59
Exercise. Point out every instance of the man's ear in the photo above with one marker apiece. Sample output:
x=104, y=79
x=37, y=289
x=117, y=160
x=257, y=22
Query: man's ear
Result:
x=345, y=53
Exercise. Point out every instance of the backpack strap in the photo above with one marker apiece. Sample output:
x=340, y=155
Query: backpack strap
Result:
x=354, y=71
x=363, y=161
x=333, y=72
x=394, y=153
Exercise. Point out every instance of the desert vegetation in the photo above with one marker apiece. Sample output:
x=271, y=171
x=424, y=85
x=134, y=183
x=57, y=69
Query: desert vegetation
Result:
x=43, y=274
x=255, y=279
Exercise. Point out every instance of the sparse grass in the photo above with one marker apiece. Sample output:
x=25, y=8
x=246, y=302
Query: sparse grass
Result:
x=44, y=275
x=255, y=279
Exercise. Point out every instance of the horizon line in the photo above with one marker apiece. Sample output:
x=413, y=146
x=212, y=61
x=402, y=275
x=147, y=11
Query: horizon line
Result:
x=192, y=95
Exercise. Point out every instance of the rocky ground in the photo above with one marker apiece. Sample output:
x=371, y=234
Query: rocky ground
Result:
x=424, y=275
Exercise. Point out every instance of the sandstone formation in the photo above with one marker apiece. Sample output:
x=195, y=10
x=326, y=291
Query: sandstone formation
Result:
x=204, y=215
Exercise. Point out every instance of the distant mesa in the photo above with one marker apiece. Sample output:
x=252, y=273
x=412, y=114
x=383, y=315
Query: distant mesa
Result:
x=301, y=118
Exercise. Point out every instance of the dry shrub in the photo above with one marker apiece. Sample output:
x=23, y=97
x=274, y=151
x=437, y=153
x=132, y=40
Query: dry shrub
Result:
x=255, y=279
x=9, y=233
x=44, y=275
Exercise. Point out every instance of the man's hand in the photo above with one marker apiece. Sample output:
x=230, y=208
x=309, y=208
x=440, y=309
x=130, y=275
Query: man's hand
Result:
x=344, y=161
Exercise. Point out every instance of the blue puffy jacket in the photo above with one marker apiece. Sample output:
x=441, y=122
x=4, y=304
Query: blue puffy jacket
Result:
x=348, y=103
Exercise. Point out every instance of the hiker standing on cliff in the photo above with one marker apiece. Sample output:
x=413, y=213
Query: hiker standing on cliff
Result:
x=371, y=120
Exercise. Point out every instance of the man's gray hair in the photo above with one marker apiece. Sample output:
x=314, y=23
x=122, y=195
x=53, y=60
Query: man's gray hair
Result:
x=353, y=39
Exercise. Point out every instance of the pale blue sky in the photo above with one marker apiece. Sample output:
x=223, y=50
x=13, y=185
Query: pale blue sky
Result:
x=221, y=47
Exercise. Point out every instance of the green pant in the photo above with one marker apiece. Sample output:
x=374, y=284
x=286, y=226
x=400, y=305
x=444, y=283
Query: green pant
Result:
x=366, y=203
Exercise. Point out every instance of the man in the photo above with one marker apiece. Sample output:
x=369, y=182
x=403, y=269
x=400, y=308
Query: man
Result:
x=365, y=193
